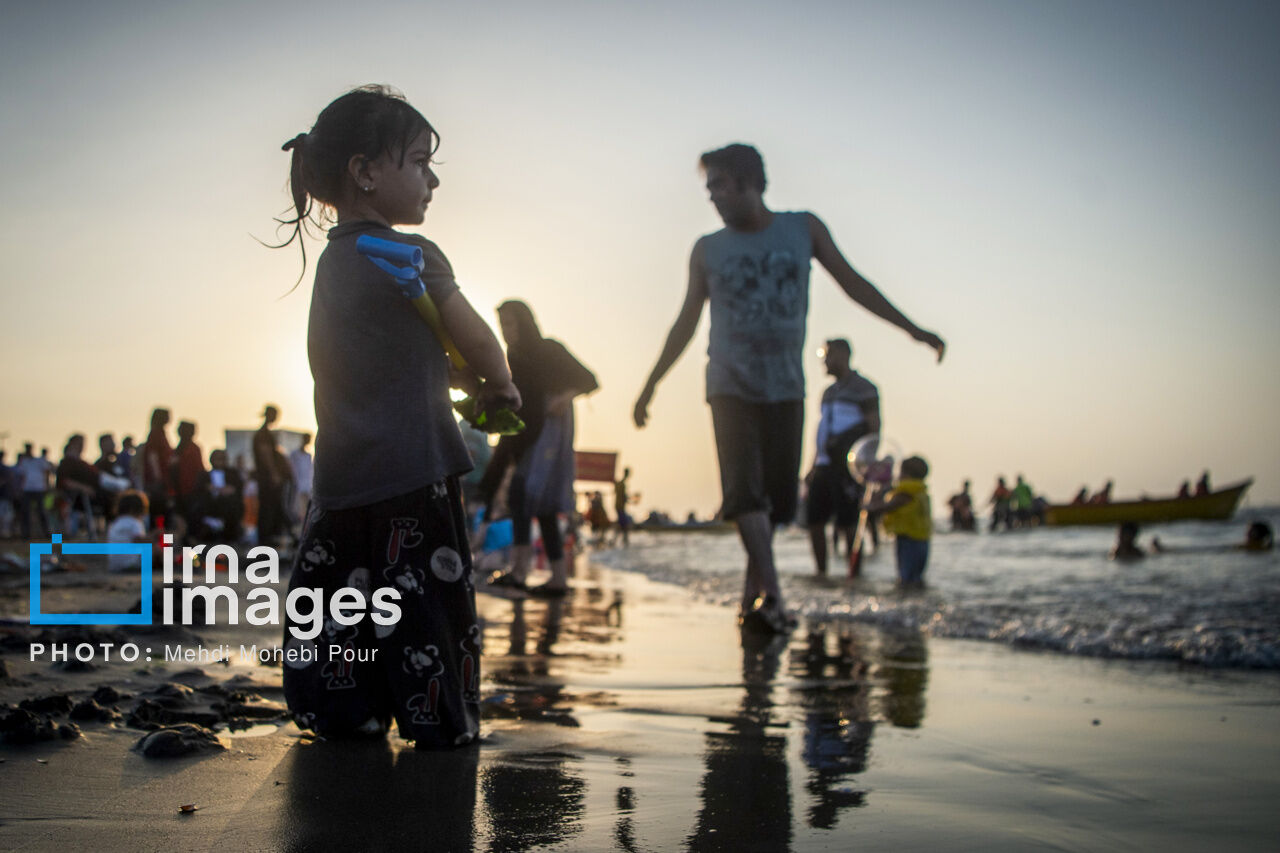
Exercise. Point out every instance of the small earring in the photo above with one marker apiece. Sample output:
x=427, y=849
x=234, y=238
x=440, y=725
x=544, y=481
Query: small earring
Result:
x=367, y=189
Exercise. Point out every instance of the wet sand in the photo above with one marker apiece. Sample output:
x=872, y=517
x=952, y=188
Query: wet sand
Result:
x=630, y=717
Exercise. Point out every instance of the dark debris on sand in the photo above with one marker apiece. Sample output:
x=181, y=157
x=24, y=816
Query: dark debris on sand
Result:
x=19, y=727
x=90, y=711
x=177, y=741
x=108, y=695
x=149, y=714
x=189, y=701
x=59, y=703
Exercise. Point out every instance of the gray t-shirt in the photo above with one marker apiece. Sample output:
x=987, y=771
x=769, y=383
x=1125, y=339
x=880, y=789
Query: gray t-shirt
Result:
x=385, y=424
x=758, y=287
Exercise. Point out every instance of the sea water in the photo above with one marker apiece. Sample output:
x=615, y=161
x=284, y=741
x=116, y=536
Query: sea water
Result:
x=1202, y=600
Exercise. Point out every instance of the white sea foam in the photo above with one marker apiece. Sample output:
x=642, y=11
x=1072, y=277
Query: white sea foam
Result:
x=1199, y=602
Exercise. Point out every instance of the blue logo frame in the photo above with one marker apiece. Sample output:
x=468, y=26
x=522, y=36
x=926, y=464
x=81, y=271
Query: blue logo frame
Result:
x=141, y=549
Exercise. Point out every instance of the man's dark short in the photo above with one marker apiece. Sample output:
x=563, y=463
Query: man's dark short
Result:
x=832, y=492
x=758, y=445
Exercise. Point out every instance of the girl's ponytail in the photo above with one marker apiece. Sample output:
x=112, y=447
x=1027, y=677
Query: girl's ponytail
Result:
x=301, y=200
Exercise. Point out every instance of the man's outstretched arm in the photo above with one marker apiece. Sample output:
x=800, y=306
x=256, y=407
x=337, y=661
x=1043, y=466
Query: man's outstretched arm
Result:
x=862, y=291
x=681, y=332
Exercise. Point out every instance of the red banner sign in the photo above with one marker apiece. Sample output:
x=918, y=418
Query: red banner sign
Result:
x=595, y=465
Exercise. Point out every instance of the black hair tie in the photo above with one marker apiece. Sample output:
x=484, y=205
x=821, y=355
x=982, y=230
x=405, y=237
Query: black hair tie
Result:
x=296, y=142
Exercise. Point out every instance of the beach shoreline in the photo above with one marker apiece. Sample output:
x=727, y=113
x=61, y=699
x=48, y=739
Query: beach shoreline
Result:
x=633, y=716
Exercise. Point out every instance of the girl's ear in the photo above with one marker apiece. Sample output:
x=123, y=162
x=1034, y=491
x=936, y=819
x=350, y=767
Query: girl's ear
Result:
x=359, y=171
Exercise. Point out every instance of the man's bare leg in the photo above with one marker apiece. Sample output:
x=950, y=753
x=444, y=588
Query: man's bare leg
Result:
x=818, y=538
x=521, y=557
x=559, y=573
x=762, y=575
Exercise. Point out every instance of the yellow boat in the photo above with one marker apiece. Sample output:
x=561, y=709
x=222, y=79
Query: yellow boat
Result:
x=1215, y=506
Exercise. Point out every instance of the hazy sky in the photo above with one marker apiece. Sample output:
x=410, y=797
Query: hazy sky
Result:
x=1083, y=198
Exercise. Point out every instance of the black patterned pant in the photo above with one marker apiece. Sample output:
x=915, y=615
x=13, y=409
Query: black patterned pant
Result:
x=424, y=670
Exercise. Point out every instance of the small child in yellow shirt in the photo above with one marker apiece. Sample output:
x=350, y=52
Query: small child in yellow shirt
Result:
x=909, y=517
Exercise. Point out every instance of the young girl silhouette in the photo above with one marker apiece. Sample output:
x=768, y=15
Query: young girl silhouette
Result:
x=385, y=510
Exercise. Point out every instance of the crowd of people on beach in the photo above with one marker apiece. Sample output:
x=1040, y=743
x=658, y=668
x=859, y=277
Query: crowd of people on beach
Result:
x=173, y=488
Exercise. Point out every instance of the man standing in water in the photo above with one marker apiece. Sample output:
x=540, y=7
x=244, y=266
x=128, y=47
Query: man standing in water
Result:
x=850, y=409
x=755, y=274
